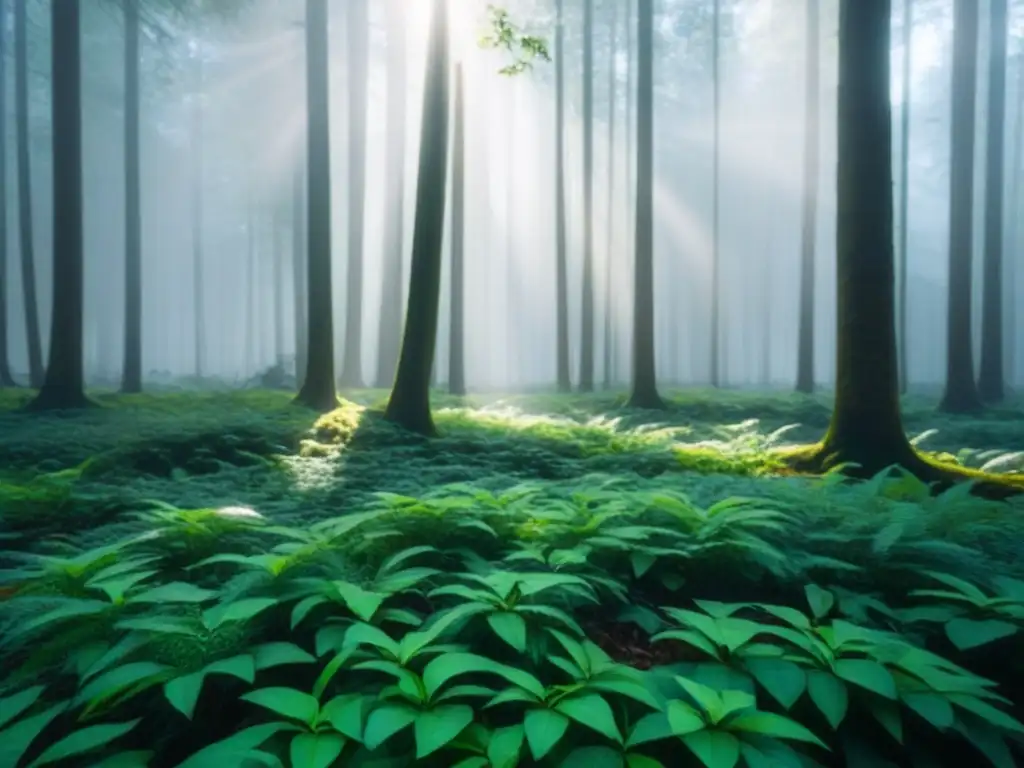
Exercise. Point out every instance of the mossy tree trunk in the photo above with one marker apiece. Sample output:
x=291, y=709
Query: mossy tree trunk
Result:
x=587, y=303
x=961, y=395
x=645, y=389
x=809, y=230
x=131, y=380
x=561, y=245
x=358, y=27
x=456, y=330
x=318, y=390
x=389, y=332
x=6, y=379
x=25, y=227
x=990, y=378
x=64, y=384
x=409, y=404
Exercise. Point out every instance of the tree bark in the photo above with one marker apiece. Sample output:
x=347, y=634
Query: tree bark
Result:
x=991, y=378
x=318, y=390
x=809, y=233
x=457, y=333
x=561, y=245
x=904, y=229
x=609, y=295
x=645, y=389
x=198, y=285
x=6, y=379
x=587, y=305
x=131, y=381
x=25, y=226
x=716, y=266
x=409, y=404
x=64, y=384
x=299, y=271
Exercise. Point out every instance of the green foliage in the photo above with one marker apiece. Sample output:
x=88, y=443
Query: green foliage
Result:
x=503, y=34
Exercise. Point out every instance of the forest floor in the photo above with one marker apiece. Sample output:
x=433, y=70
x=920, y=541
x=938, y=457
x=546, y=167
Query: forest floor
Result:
x=645, y=511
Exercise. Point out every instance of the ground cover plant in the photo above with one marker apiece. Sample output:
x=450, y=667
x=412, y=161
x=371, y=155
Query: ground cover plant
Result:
x=556, y=580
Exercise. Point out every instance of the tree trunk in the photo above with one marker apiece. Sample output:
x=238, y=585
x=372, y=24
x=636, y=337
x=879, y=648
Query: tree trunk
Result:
x=25, y=229
x=456, y=330
x=6, y=379
x=251, y=357
x=318, y=390
x=198, y=287
x=1015, y=231
x=409, y=404
x=645, y=389
x=587, y=305
x=716, y=267
x=279, y=249
x=610, y=233
x=64, y=384
x=561, y=245
x=299, y=273
x=904, y=230
x=358, y=27
x=131, y=381
x=961, y=394
x=990, y=379
x=389, y=332
x=809, y=234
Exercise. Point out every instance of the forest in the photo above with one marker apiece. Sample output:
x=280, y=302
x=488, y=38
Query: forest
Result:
x=584, y=383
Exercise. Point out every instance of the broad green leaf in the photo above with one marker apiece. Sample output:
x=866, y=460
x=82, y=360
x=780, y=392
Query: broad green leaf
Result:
x=510, y=627
x=303, y=608
x=626, y=687
x=968, y=633
x=175, y=592
x=987, y=712
x=183, y=692
x=385, y=721
x=84, y=740
x=820, y=600
x=867, y=674
x=347, y=713
x=329, y=671
x=933, y=707
x=437, y=727
x=362, y=603
x=705, y=697
x=364, y=634
x=505, y=746
x=235, y=748
x=634, y=760
x=316, y=750
x=17, y=738
x=239, y=610
x=682, y=719
x=271, y=655
x=592, y=711
x=652, y=727
x=544, y=729
x=593, y=757
x=286, y=701
x=449, y=665
x=715, y=749
x=120, y=678
x=784, y=680
x=887, y=713
x=12, y=706
x=829, y=694
x=775, y=726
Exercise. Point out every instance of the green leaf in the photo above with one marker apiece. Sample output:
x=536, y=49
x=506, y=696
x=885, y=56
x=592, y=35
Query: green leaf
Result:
x=932, y=707
x=716, y=749
x=286, y=701
x=592, y=711
x=829, y=694
x=235, y=748
x=240, y=610
x=683, y=719
x=510, y=627
x=449, y=665
x=385, y=721
x=652, y=727
x=784, y=680
x=16, y=739
x=84, y=740
x=303, y=608
x=968, y=633
x=505, y=746
x=175, y=592
x=544, y=729
x=776, y=726
x=137, y=759
x=867, y=674
x=437, y=727
x=271, y=655
x=316, y=750
x=120, y=678
x=820, y=600
x=183, y=692
x=634, y=760
x=593, y=757
x=362, y=603
x=12, y=706
x=347, y=713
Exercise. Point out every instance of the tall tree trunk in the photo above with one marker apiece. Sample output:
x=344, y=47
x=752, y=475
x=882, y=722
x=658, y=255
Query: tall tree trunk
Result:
x=358, y=27
x=299, y=271
x=904, y=226
x=279, y=249
x=1012, y=306
x=409, y=404
x=132, y=374
x=252, y=355
x=511, y=313
x=961, y=394
x=64, y=384
x=561, y=245
x=6, y=379
x=645, y=389
x=198, y=286
x=809, y=234
x=318, y=390
x=25, y=228
x=456, y=330
x=990, y=379
x=389, y=332
x=587, y=305
x=716, y=255
x=610, y=234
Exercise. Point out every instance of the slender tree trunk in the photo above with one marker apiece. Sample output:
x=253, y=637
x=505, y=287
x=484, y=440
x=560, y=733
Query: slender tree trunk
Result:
x=561, y=245
x=610, y=234
x=132, y=374
x=809, y=235
x=991, y=378
x=6, y=379
x=1015, y=230
x=409, y=404
x=716, y=256
x=252, y=355
x=587, y=305
x=961, y=394
x=645, y=389
x=25, y=229
x=279, y=301
x=630, y=152
x=64, y=384
x=318, y=390
x=390, y=328
x=299, y=272
x=198, y=287
x=511, y=339
x=358, y=27
x=457, y=333
x=904, y=226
